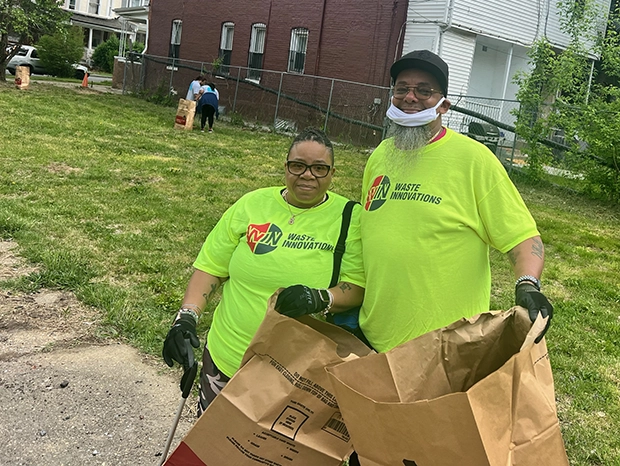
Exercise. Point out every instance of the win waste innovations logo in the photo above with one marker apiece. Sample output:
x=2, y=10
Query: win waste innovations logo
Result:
x=263, y=238
x=378, y=193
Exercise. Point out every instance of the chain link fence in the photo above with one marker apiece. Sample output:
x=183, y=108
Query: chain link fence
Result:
x=349, y=112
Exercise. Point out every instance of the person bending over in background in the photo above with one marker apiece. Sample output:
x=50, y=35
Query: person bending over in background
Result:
x=208, y=103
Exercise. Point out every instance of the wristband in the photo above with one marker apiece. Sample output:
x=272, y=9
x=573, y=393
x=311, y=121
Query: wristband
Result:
x=189, y=312
x=528, y=278
x=329, y=299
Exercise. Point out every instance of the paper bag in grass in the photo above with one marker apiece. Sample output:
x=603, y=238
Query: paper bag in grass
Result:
x=186, y=111
x=279, y=408
x=22, y=77
x=476, y=393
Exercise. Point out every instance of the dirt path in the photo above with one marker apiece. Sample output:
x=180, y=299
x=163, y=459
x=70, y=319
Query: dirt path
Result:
x=71, y=398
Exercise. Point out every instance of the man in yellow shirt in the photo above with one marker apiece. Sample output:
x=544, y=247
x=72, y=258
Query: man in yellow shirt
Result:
x=434, y=201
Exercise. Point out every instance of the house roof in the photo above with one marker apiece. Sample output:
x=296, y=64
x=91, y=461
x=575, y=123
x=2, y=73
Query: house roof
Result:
x=112, y=24
x=137, y=14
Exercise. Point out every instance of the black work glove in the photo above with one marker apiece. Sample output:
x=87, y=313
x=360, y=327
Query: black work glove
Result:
x=528, y=296
x=299, y=300
x=175, y=348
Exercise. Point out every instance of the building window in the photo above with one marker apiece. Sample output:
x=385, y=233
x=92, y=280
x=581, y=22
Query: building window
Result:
x=175, y=38
x=93, y=7
x=71, y=4
x=297, y=52
x=257, y=49
x=226, y=44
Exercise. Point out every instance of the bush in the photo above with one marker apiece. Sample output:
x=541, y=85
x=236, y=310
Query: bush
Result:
x=103, y=56
x=138, y=47
x=61, y=50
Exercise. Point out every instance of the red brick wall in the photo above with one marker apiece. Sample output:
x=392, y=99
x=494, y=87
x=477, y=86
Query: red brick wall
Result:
x=354, y=40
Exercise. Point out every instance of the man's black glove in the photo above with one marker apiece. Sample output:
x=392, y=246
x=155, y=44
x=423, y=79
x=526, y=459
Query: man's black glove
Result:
x=175, y=348
x=529, y=297
x=299, y=300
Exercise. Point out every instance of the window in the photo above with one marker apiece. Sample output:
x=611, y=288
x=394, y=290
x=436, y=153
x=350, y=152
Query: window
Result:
x=226, y=44
x=175, y=38
x=93, y=7
x=297, y=53
x=257, y=48
x=71, y=4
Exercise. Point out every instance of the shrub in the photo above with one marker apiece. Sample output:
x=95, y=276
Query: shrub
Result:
x=103, y=56
x=59, y=51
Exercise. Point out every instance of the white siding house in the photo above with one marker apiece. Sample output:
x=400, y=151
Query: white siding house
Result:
x=485, y=44
x=99, y=20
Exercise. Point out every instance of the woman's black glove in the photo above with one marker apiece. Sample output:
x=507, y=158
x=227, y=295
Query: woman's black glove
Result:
x=299, y=300
x=175, y=348
x=529, y=297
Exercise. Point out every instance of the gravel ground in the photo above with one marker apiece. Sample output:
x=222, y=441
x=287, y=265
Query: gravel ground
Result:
x=71, y=398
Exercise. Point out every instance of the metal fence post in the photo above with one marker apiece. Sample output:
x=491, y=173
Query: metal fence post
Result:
x=329, y=105
x=171, y=76
x=125, y=74
x=275, y=117
x=143, y=72
x=514, y=144
x=236, y=89
x=385, y=126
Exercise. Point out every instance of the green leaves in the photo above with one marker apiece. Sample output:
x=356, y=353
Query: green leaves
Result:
x=59, y=51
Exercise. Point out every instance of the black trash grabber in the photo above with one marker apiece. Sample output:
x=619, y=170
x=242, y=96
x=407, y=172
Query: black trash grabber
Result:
x=187, y=381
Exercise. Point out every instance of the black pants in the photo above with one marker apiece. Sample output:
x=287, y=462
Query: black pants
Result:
x=207, y=112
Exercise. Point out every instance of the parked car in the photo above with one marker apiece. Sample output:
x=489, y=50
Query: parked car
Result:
x=28, y=56
x=485, y=133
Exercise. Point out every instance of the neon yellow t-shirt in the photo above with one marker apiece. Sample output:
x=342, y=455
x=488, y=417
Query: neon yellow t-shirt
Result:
x=254, y=245
x=426, y=232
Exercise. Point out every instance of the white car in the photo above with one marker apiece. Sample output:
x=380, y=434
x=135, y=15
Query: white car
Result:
x=28, y=56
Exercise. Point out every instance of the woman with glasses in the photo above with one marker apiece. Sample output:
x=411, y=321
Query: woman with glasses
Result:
x=271, y=238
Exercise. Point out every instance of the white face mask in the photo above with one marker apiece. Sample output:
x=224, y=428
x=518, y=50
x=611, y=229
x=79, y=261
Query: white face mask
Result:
x=421, y=118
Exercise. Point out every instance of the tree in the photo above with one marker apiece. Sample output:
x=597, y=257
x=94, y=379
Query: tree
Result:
x=59, y=51
x=558, y=95
x=25, y=22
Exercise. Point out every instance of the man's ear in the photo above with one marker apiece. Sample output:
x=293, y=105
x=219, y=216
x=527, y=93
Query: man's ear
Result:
x=444, y=107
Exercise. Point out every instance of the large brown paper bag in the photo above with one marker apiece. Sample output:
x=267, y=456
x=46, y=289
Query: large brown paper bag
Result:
x=476, y=393
x=278, y=409
x=185, y=114
x=22, y=77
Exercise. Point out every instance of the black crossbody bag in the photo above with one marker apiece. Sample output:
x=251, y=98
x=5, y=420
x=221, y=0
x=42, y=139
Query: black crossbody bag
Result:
x=348, y=320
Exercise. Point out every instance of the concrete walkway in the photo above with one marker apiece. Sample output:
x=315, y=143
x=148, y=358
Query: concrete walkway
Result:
x=92, y=86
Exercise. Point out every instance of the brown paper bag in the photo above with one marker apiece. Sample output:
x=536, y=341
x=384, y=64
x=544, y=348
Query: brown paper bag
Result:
x=476, y=393
x=279, y=408
x=185, y=114
x=22, y=77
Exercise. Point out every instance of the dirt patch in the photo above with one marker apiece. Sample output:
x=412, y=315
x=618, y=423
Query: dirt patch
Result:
x=70, y=397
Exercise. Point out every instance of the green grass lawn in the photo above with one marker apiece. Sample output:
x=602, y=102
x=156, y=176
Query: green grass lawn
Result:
x=114, y=204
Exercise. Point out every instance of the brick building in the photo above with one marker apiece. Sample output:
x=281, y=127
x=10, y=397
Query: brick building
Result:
x=353, y=40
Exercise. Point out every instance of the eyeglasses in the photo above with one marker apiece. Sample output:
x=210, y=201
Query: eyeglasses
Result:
x=420, y=93
x=318, y=170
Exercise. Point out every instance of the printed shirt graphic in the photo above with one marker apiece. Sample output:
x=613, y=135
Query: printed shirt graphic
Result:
x=426, y=234
x=255, y=246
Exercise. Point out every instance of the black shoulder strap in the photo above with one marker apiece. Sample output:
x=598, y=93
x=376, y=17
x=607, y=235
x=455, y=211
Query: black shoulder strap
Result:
x=342, y=239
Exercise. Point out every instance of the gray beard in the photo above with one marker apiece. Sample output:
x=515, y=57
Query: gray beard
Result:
x=409, y=141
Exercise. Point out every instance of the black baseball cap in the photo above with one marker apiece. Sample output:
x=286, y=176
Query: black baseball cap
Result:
x=423, y=60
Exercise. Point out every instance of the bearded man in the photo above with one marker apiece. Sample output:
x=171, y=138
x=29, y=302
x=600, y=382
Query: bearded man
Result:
x=434, y=202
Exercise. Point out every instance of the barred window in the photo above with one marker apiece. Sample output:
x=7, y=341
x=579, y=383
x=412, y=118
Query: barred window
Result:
x=226, y=45
x=297, y=51
x=175, y=38
x=257, y=49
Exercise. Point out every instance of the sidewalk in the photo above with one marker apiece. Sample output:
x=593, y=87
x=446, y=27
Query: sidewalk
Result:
x=92, y=86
